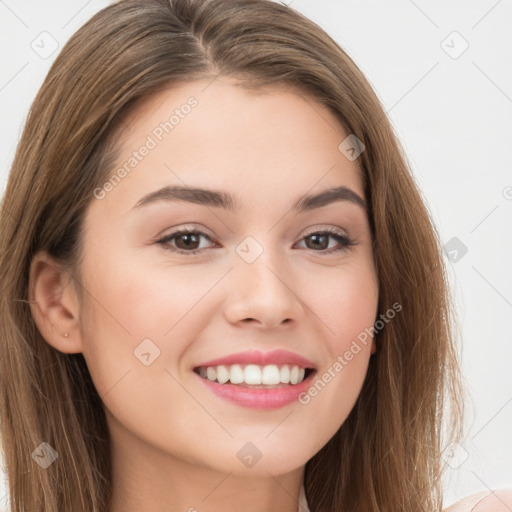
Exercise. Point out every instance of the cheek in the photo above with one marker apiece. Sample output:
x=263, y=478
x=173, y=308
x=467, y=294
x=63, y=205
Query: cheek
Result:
x=135, y=308
x=353, y=307
x=346, y=302
x=343, y=299
x=135, y=331
x=141, y=297
x=171, y=305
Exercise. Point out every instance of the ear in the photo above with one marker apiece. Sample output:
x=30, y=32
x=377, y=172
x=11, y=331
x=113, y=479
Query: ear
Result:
x=374, y=346
x=54, y=304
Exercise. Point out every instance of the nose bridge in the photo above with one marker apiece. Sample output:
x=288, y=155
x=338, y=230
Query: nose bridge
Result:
x=262, y=289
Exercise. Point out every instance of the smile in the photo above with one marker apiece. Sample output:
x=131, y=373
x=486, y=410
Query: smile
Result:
x=252, y=375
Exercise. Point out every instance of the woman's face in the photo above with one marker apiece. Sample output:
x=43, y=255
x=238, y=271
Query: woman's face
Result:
x=263, y=279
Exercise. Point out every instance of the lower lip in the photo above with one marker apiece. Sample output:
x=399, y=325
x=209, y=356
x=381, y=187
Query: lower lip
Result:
x=259, y=398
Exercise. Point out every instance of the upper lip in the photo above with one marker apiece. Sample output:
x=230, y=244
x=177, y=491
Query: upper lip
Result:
x=261, y=358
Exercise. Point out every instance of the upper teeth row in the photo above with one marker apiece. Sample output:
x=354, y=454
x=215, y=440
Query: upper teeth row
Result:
x=254, y=374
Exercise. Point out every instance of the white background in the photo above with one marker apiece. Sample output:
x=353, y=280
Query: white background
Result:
x=454, y=118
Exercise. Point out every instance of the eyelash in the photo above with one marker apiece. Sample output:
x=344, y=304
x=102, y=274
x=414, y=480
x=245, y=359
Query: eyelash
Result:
x=345, y=240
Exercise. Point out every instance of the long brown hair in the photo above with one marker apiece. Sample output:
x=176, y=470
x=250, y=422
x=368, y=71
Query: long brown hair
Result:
x=387, y=454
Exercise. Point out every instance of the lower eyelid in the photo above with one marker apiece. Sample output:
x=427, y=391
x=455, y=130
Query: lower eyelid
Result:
x=345, y=241
x=172, y=236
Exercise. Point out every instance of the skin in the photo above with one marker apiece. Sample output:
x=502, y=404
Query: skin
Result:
x=174, y=443
x=499, y=500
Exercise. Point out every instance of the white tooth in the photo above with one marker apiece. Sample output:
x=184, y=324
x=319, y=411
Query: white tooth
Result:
x=202, y=371
x=211, y=374
x=285, y=374
x=294, y=375
x=270, y=375
x=236, y=374
x=252, y=374
x=222, y=374
x=302, y=372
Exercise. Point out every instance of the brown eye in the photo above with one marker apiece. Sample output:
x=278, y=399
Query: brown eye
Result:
x=319, y=241
x=185, y=241
x=189, y=241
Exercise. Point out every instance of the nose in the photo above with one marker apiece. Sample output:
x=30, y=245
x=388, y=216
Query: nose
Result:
x=262, y=293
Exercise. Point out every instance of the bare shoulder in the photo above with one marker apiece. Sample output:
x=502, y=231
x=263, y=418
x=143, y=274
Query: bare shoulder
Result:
x=498, y=500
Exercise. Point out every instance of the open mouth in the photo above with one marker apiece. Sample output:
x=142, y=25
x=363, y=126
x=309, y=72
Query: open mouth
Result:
x=256, y=376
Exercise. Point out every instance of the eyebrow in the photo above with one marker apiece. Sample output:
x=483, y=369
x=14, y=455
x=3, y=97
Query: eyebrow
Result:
x=220, y=199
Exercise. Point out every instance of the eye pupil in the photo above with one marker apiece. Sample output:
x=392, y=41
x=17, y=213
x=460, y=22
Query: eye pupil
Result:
x=316, y=239
x=188, y=242
x=186, y=236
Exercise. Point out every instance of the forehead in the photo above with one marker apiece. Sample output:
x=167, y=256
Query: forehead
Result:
x=219, y=135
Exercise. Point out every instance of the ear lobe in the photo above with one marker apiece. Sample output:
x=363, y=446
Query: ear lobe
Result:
x=54, y=304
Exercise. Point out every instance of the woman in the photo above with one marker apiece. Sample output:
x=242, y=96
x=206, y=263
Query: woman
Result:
x=175, y=336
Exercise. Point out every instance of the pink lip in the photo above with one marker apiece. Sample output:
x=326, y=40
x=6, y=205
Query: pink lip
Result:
x=259, y=398
x=261, y=358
